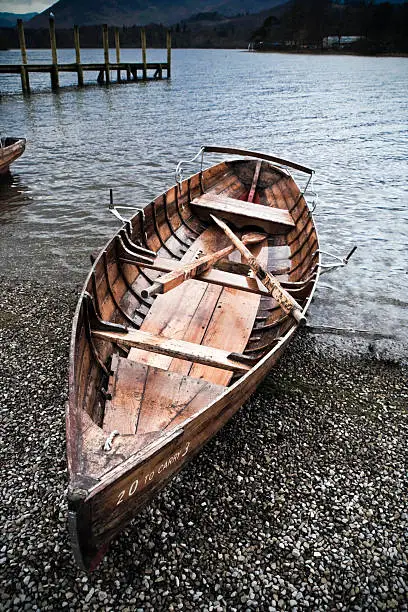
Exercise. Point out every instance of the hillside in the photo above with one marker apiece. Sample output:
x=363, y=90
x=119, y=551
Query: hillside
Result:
x=10, y=19
x=139, y=12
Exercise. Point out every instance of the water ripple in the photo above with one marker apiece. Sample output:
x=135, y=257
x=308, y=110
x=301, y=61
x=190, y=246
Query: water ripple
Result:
x=344, y=116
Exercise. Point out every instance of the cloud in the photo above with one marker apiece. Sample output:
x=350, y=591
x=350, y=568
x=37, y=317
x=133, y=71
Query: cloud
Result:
x=24, y=6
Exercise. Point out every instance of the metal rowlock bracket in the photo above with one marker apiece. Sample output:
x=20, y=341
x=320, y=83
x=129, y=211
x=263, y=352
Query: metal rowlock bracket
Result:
x=114, y=209
x=341, y=261
x=311, y=191
x=179, y=168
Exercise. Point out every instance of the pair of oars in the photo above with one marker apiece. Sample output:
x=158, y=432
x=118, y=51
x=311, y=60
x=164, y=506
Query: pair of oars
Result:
x=173, y=279
x=199, y=266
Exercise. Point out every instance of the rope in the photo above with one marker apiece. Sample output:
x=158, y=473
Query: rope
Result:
x=109, y=440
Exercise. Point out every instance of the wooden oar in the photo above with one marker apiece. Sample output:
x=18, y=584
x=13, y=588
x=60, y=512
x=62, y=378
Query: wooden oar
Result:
x=174, y=279
x=286, y=301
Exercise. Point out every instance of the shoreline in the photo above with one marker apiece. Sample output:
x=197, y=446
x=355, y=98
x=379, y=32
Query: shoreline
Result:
x=328, y=52
x=298, y=503
x=242, y=49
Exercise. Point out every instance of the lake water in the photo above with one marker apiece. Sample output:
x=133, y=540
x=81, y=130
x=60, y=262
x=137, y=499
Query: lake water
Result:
x=344, y=116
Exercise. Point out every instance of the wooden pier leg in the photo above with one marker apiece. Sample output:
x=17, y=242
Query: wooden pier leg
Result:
x=25, y=81
x=168, y=54
x=117, y=45
x=128, y=73
x=80, y=72
x=54, y=69
x=106, y=52
x=144, y=60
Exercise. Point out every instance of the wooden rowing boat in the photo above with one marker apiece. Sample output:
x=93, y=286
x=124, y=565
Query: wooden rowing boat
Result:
x=173, y=332
x=10, y=150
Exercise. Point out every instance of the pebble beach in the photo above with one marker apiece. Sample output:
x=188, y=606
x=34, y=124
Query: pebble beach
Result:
x=299, y=503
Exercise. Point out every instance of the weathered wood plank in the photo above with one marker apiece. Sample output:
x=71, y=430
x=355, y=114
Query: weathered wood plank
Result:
x=171, y=397
x=242, y=213
x=181, y=349
x=126, y=388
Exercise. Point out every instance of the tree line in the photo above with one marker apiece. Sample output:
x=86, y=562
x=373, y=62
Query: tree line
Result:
x=381, y=27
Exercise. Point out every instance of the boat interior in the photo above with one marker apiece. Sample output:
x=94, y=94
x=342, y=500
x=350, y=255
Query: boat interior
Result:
x=141, y=364
x=6, y=141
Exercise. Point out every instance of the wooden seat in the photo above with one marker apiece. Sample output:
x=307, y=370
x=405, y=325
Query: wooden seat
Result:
x=271, y=220
x=145, y=399
x=198, y=353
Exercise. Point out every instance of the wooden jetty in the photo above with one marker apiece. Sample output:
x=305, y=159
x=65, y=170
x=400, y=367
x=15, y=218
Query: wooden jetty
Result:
x=134, y=71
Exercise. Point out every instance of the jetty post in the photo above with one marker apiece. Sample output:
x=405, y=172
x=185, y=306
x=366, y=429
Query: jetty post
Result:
x=54, y=67
x=168, y=41
x=25, y=80
x=117, y=46
x=144, y=60
x=80, y=72
x=106, y=52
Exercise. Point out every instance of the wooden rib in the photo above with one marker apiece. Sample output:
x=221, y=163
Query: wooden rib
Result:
x=305, y=256
x=268, y=326
x=181, y=349
x=128, y=284
x=302, y=244
x=162, y=242
x=95, y=295
x=173, y=231
x=112, y=294
x=299, y=232
x=255, y=181
x=134, y=261
x=188, y=226
x=88, y=334
x=297, y=200
x=141, y=216
x=126, y=235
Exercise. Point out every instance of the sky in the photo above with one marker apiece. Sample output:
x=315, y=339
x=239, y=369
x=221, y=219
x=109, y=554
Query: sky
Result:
x=24, y=6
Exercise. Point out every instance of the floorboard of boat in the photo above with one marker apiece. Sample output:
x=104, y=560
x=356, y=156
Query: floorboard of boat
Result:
x=147, y=400
x=198, y=312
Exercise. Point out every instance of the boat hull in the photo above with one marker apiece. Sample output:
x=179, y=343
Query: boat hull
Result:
x=11, y=151
x=107, y=489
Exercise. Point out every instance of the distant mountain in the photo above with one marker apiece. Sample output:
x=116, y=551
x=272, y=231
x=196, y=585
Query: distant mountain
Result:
x=138, y=12
x=8, y=20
